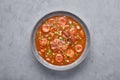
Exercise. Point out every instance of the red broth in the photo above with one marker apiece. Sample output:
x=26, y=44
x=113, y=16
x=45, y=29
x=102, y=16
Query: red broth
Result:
x=60, y=40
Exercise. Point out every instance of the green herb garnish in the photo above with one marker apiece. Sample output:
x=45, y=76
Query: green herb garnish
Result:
x=72, y=24
x=40, y=37
x=49, y=38
x=67, y=44
x=49, y=52
x=56, y=32
x=46, y=23
x=76, y=55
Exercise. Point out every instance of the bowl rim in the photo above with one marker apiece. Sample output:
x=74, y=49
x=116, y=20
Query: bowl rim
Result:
x=73, y=64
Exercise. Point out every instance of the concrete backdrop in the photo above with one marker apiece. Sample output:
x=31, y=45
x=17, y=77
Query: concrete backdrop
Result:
x=17, y=19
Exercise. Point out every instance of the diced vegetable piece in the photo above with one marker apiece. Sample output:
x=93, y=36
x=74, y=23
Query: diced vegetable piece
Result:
x=76, y=42
x=72, y=25
x=78, y=36
x=67, y=44
x=73, y=45
x=39, y=37
x=66, y=60
x=60, y=33
x=49, y=52
x=78, y=27
x=76, y=55
x=60, y=38
x=67, y=56
x=56, y=32
x=46, y=23
x=49, y=38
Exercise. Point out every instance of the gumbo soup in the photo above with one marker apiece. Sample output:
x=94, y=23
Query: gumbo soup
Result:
x=60, y=40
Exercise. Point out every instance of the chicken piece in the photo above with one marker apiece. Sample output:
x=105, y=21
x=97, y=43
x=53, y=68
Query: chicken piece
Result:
x=58, y=45
x=70, y=53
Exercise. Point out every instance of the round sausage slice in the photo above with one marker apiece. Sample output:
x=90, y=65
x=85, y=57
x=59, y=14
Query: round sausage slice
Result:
x=51, y=21
x=62, y=21
x=45, y=28
x=59, y=57
x=78, y=48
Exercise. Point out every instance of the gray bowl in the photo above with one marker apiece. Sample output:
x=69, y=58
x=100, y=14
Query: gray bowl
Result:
x=55, y=67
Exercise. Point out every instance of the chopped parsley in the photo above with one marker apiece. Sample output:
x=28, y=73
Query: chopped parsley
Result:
x=56, y=32
x=49, y=52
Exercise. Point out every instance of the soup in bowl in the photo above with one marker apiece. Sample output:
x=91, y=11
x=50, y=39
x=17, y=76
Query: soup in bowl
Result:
x=60, y=40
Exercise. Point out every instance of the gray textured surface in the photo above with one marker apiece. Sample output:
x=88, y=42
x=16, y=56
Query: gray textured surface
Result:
x=17, y=18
